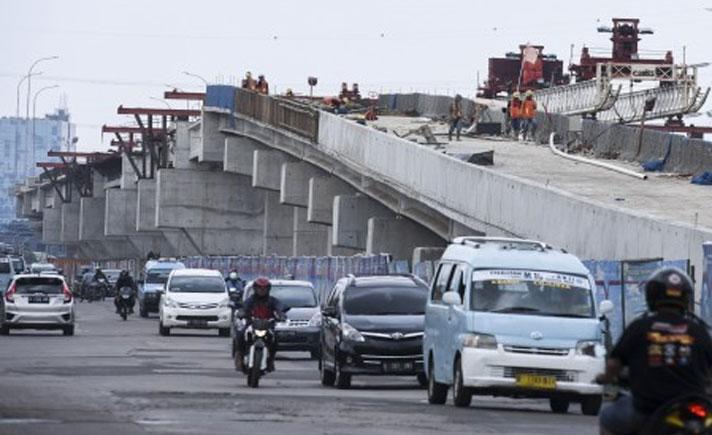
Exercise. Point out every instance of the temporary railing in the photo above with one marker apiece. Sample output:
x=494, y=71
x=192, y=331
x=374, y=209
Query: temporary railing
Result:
x=283, y=113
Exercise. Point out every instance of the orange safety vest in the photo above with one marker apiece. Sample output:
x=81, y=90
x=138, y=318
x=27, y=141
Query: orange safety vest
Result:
x=528, y=109
x=515, y=109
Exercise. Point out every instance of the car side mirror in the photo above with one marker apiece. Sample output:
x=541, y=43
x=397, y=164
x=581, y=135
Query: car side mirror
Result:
x=606, y=307
x=452, y=298
x=328, y=312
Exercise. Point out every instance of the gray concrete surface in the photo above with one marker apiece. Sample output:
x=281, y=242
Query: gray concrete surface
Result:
x=116, y=377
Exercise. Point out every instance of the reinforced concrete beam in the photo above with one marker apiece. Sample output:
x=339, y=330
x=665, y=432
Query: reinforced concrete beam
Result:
x=69, y=232
x=267, y=169
x=278, y=230
x=52, y=226
x=239, y=154
x=294, y=183
x=398, y=236
x=351, y=215
x=320, y=201
x=211, y=146
x=309, y=239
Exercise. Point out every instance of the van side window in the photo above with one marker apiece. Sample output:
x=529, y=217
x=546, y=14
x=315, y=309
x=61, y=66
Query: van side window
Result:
x=440, y=283
x=457, y=284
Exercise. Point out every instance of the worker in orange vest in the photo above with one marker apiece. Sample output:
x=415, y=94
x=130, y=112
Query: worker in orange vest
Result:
x=528, y=114
x=262, y=86
x=515, y=114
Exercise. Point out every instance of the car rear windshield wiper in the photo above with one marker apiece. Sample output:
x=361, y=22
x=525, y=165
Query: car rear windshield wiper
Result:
x=516, y=310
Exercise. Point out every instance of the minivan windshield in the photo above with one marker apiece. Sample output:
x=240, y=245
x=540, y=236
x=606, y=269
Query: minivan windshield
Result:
x=531, y=292
x=157, y=276
x=197, y=284
x=382, y=301
x=292, y=296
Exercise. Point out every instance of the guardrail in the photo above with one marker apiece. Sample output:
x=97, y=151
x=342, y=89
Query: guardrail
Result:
x=283, y=113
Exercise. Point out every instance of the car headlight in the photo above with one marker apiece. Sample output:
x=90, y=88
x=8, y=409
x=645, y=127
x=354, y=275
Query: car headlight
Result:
x=315, y=320
x=170, y=303
x=590, y=348
x=479, y=341
x=350, y=333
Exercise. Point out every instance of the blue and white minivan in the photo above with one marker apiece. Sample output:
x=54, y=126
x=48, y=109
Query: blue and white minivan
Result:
x=511, y=317
x=155, y=275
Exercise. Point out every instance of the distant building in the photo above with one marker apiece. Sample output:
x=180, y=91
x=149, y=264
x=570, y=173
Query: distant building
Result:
x=54, y=132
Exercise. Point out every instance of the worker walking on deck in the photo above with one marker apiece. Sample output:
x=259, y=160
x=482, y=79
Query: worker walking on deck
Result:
x=455, y=117
x=515, y=114
x=528, y=114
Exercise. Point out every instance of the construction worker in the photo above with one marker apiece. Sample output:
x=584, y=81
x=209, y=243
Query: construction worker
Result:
x=248, y=82
x=528, y=114
x=289, y=93
x=262, y=86
x=455, y=117
x=345, y=93
x=515, y=114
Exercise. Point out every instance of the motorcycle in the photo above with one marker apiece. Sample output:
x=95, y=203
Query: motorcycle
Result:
x=96, y=290
x=125, y=301
x=681, y=416
x=259, y=335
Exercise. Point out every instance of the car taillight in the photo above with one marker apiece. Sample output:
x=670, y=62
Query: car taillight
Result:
x=67, y=293
x=697, y=409
x=10, y=293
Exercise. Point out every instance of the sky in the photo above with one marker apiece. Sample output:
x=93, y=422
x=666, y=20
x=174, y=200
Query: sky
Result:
x=115, y=52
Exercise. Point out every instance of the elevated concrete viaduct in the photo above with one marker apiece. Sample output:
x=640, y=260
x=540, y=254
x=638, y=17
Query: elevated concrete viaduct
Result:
x=267, y=176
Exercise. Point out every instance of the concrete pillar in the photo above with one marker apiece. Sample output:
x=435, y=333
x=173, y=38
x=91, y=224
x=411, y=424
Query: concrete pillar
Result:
x=309, y=239
x=239, y=154
x=128, y=174
x=69, y=232
x=211, y=146
x=398, y=236
x=181, y=151
x=51, y=226
x=429, y=253
x=91, y=218
x=221, y=212
x=98, y=182
x=120, y=212
x=294, y=183
x=351, y=215
x=321, y=193
x=278, y=230
x=267, y=169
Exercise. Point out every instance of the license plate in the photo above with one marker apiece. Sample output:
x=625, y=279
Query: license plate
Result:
x=540, y=382
x=397, y=366
x=38, y=299
x=198, y=323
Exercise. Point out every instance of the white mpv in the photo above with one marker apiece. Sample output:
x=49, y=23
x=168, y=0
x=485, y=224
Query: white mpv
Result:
x=194, y=299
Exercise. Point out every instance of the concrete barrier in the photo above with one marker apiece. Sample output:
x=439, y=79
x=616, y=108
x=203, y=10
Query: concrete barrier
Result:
x=499, y=204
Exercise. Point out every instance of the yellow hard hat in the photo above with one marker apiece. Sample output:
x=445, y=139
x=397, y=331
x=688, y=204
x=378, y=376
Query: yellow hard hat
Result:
x=516, y=95
x=529, y=93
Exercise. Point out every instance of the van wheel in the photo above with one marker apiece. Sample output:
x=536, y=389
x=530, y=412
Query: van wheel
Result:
x=142, y=311
x=224, y=332
x=437, y=392
x=590, y=405
x=559, y=406
x=163, y=330
x=4, y=330
x=461, y=395
x=68, y=330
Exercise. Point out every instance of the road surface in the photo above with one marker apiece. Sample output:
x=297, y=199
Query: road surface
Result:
x=116, y=377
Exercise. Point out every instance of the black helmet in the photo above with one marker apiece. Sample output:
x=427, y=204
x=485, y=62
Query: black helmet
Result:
x=669, y=286
x=124, y=273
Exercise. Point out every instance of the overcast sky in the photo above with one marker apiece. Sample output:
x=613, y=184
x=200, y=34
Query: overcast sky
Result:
x=125, y=52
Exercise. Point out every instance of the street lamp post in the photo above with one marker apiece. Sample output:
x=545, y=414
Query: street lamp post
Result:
x=27, y=107
x=19, y=85
x=196, y=76
x=34, y=114
x=162, y=101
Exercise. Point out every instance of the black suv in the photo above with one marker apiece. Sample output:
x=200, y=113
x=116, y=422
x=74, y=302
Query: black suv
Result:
x=373, y=326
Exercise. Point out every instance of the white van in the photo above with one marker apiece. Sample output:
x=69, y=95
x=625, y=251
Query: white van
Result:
x=511, y=317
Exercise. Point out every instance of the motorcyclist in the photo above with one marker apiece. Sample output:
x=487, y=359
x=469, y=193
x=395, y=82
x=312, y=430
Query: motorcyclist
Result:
x=98, y=274
x=235, y=286
x=668, y=352
x=125, y=280
x=260, y=305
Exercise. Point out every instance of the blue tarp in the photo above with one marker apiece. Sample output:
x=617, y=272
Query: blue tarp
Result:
x=657, y=165
x=704, y=179
x=221, y=96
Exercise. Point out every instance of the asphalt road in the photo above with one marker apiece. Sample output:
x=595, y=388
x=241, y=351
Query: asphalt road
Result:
x=116, y=377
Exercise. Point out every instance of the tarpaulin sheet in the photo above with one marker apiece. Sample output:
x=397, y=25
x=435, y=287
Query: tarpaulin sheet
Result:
x=220, y=96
